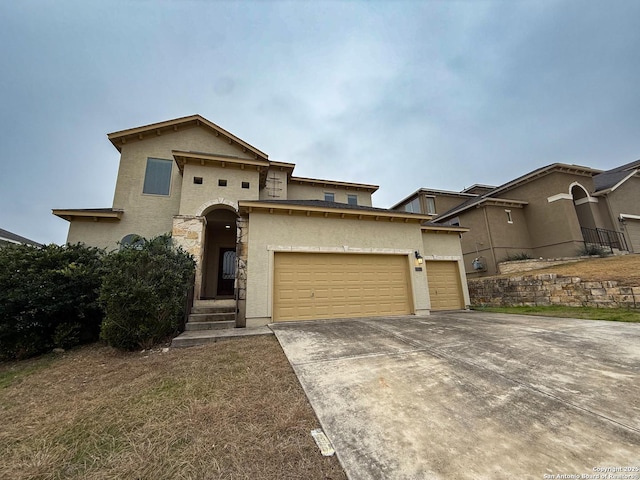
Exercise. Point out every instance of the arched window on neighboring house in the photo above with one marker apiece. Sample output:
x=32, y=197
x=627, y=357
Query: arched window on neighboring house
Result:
x=132, y=240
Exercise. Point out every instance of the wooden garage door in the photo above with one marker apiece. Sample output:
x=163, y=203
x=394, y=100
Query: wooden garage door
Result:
x=633, y=230
x=326, y=285
x=444, y=285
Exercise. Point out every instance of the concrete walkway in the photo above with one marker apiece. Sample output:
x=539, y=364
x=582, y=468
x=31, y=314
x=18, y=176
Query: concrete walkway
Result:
x=471, y=395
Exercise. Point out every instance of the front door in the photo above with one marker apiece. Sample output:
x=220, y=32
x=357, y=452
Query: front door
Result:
x=226, y=271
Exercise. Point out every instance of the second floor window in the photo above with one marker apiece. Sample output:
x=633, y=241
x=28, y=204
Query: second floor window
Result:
x=431, y=205
x=157, y=176
x=413, y=206
x=352, y=199
x=329, y=197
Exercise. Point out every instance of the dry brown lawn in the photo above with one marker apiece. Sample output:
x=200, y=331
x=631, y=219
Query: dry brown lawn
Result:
x=624, y=269
x=231, y=410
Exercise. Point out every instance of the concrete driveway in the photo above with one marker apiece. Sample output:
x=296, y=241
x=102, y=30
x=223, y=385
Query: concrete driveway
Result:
x=471, y=395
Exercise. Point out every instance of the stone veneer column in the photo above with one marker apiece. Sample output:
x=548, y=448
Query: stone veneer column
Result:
x=242, y=250
x=188, y=233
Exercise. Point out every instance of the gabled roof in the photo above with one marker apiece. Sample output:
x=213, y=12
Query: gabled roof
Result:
x=478, y=188
x=526, y=178
x=155, y=129
x=427, y=191
x=609, y=180
x=9, y=237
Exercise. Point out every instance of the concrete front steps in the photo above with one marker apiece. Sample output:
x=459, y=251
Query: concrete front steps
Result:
x=211, y=321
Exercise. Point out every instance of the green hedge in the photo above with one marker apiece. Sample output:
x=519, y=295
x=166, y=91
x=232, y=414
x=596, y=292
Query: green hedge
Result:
x=143, y=293
x=48, y=298
x=62, y=296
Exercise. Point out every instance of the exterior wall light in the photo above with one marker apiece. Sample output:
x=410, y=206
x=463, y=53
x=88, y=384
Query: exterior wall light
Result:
x=418, y=257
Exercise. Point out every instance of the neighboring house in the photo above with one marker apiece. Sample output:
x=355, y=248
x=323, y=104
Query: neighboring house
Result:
x=284, y=247
x=550, y=212
x=8, y=238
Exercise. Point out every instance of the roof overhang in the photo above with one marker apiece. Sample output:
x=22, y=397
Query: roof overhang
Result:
x=335, y=184
x=95, y=214
x=501, y=202
x=249, y=207
x=120, y=138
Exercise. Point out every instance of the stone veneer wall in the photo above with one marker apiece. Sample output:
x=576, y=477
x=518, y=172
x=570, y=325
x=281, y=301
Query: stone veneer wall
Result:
x=551, y=289
x=242, y=249
x=188, y=233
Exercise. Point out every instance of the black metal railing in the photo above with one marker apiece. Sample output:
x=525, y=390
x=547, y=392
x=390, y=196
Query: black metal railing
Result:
x=604, y=238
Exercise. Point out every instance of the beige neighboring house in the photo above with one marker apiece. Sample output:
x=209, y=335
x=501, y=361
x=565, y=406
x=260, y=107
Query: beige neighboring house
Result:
x=553, y=211
x=9, y=238
x=280, y=247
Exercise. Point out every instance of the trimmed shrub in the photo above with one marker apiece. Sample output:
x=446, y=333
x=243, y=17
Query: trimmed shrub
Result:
x=517, y=256
x=143, y=293
x=591, y=249
x=48, y=298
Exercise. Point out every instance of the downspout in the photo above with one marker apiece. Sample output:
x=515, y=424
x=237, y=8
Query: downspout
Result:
x=493, y=254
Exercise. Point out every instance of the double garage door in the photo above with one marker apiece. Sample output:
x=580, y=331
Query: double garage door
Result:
x=328, y=285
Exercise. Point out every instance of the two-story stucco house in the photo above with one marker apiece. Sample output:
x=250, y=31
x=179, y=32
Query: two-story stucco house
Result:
x=280, y=247
x=552, y=211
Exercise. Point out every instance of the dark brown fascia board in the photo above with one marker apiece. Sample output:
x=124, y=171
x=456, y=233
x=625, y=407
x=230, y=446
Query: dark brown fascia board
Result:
x=426, y=191
x=257, y=206
x=336, y=183
x=445, y=229
x=70, y=214
x=120, y=137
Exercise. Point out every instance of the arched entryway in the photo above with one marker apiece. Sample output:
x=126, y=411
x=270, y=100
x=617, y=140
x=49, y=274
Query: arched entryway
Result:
x=582, y=206
x=219, y=260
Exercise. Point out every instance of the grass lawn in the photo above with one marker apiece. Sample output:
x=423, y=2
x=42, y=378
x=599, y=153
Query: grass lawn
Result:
x=231, y=410
x=588, y=313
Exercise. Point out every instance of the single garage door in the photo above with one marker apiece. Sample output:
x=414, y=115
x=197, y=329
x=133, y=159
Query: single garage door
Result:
x=445, y=289
x=633, y=231
x=327, y=285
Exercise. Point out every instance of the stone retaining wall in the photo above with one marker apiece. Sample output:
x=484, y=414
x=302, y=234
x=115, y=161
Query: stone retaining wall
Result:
x=551, y=289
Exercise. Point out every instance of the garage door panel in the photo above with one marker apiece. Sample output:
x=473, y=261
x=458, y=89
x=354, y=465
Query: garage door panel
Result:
x=633, y=231
x=445, y=288
x=318, y=285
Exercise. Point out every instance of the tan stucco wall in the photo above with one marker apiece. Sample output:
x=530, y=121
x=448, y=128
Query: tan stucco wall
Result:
x=308, y=192
x=269, y=233
x=194, y=196
x=625, y=199
x=147, y=215
x=551, y=223
x=276, y=187
x=101, y=234
x=446, y=246
x=541, y=229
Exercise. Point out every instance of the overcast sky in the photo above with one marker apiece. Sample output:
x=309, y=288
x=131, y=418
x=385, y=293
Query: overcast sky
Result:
x=439, y=94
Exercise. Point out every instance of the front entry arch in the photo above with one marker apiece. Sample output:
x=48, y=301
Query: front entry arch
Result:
x=582, y=205
x=219, y=263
